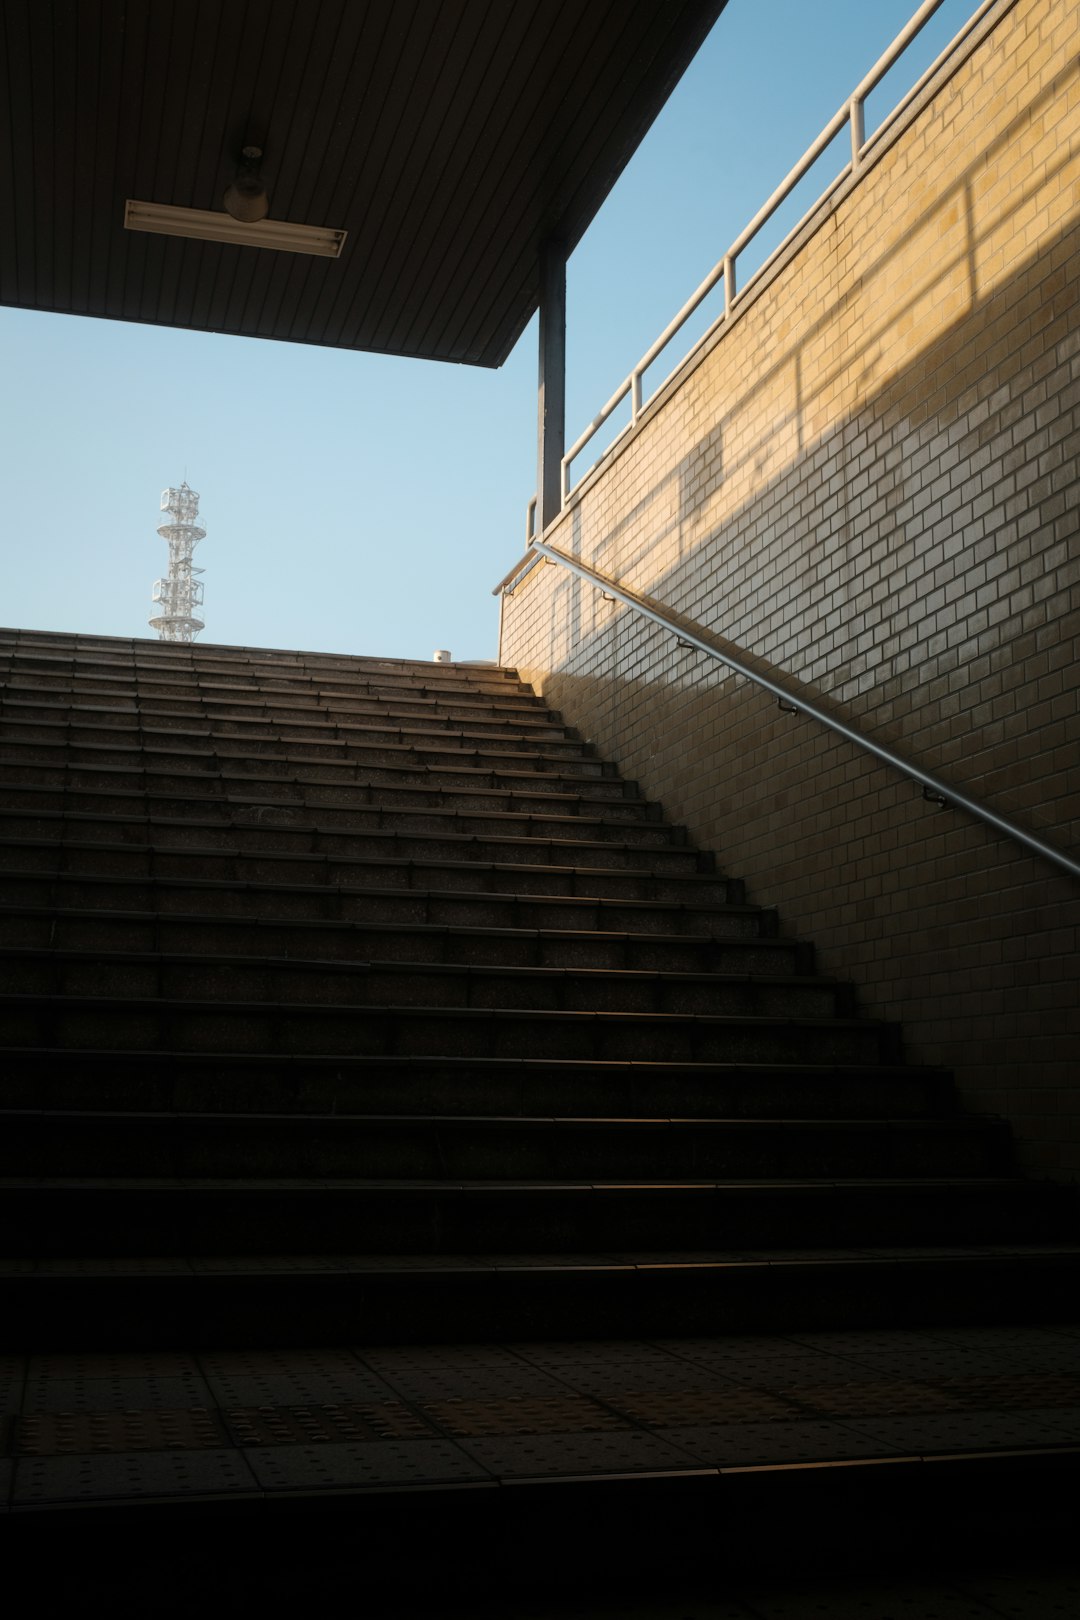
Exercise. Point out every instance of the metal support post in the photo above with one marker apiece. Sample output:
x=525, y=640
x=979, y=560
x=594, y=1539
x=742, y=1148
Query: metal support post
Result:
x=551, y=400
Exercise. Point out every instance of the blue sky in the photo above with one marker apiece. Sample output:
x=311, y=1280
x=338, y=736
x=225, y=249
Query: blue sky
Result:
x=356, y=503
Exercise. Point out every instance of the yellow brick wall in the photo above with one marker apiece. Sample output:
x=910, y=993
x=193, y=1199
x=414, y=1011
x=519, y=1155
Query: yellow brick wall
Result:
x=869, y=482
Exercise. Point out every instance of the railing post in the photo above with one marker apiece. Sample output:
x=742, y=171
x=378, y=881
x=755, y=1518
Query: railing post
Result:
x=858, y=131
x=551, y=384
x=729, y=284
x=635, y=395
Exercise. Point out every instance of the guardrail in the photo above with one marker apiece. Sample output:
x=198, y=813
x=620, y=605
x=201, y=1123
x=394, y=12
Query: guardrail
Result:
x=934, y=790
x=852, y=114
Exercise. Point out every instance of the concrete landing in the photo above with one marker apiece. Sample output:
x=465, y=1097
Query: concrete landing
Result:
x=101, y=1431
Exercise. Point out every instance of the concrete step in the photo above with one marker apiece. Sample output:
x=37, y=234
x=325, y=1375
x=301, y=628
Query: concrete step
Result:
x=499, y=686
x=335, y=897
x=305, y=862
x=492, y=682
x=123, y=652
x=408, y=940
x=246, y=706
x=277, y=930
x=297, y=780
x=414, y=810
x=250, y=829
x=211, y=1082
x=334, y=760
x=490, y=1148
x=315, y=737
x=218, y=1215
x=397, y=983
x=46, y=710
x=217, y=1301
x=218, y=691
x=129, y=1022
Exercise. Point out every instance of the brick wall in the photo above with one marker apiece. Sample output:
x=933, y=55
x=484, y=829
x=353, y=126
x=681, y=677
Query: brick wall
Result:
x=869, y=482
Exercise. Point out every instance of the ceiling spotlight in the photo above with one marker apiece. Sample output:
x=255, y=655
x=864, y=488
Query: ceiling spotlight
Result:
x=246, y=199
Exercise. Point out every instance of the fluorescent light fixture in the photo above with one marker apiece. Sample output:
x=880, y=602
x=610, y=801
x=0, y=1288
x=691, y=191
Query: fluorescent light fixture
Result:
x=207, y=226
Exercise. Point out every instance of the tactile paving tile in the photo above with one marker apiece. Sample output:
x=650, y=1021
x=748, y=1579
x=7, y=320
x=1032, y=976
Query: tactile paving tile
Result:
x=521, y=1414
x=115, y=1364
x=290, y=1378
x=772, y=1367
x=12, y=1380
x=860, y=1342
x=1013, y=1391
x=970, y=1431
x=610, y=1370
x=450, y=1372
x=134, y=1474
x=547, y=1455
x=1032, y=1349
x=278, y=1363
x=115, y=1394
x=376, y=1462
x=913, y=1356
x=52, y=1434
x=663, y=1409
x=882, y=1398
x=746, y=1445
x=323, y=1425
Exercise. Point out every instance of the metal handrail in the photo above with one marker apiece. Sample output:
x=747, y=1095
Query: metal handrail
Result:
x=933, y=788
x=850, y=113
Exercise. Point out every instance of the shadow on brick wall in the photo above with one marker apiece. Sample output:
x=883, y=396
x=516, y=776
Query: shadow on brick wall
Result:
x=937, y=605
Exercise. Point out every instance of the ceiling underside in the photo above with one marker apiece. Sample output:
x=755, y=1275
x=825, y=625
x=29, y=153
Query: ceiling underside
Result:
x=448, y=137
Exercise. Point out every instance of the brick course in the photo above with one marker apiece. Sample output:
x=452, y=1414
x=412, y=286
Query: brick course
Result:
x=869, y=483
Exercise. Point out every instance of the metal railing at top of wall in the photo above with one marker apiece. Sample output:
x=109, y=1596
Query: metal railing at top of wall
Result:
x=852, y=114
x=934, y=790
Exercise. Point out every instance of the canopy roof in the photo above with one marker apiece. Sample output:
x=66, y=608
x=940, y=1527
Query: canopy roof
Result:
x=448, y=137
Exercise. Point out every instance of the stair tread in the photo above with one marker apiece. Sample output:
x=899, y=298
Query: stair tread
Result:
x=145, y=722
x=350, y=1009
x=755, y=1070
x=528, y=898
x=810, y=1186
x=437, y=808
x=137, y=736
x=317, y=925
x=392, y=965
x=314, y=773
x=153, y=757
x=462, y=1122
x=316, y=1265
x=436, y=790
x=317, y=829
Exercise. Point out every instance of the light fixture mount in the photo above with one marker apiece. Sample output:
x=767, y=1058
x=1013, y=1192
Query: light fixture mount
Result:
x=207, y=225
x=246, y=198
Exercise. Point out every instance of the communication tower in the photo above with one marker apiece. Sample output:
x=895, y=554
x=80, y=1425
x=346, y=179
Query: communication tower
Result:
x=179, y=595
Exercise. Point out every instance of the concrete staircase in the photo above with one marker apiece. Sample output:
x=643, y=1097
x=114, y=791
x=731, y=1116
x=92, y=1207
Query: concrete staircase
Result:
x=356, y=998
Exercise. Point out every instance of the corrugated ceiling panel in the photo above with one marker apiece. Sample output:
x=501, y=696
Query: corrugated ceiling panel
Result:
x=447, y=136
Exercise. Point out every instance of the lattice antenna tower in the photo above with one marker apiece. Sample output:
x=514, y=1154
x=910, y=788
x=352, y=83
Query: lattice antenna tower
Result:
x=179, y=595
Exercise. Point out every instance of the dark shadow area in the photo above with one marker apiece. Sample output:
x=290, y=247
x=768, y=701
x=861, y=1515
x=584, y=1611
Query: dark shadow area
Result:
x=940, y=920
